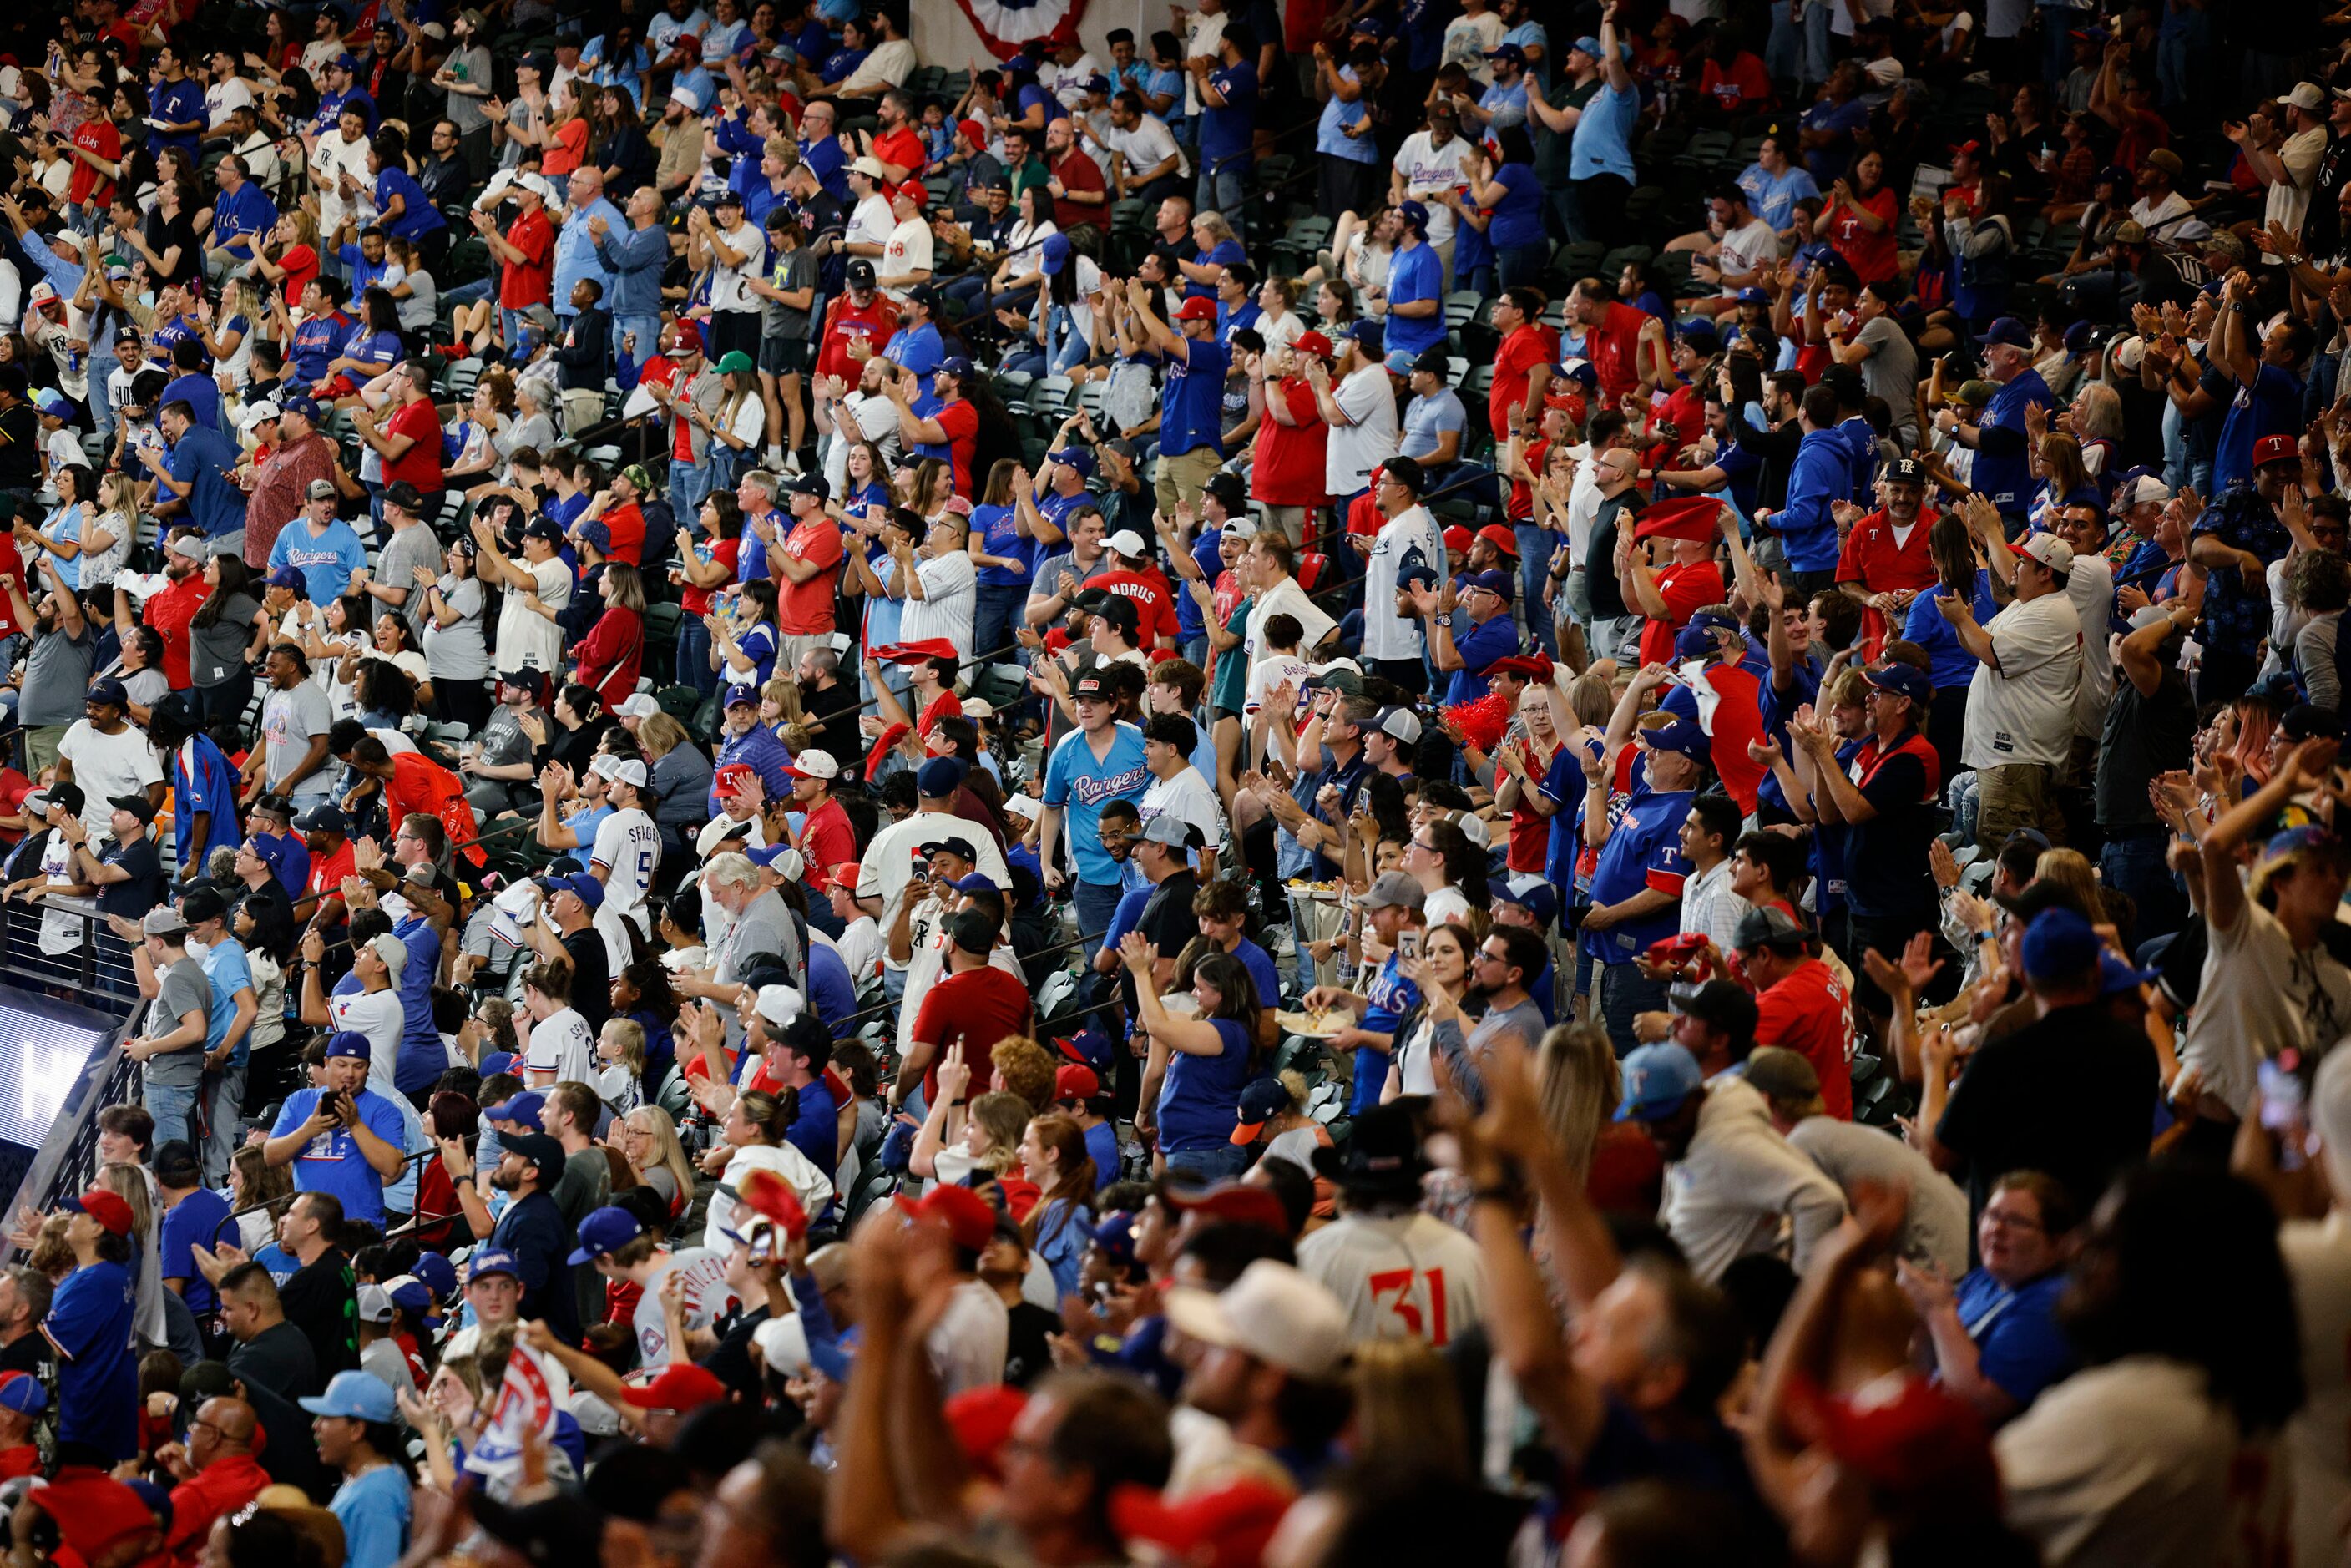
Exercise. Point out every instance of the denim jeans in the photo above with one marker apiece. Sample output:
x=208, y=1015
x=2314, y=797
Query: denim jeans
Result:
x=693, y=656
x=1535, y=566
x=1623, y=991
x=996, y=617
x=1213, y=1164
x=1223, y=191
x=1096, y=902
x=1818, y=42
x=228, y=1095
x=173, y=1106
x=2134, y=861
x=688, y=484
x=648, y=331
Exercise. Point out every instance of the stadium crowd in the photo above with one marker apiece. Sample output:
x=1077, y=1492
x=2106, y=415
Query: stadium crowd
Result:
x=1374, y=778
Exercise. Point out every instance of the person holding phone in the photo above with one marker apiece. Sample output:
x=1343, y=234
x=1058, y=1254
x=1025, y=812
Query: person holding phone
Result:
x=341, y=1137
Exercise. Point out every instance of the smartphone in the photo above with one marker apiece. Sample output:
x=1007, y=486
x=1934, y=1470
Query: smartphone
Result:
x=2282, y=1098
x=1409, y=944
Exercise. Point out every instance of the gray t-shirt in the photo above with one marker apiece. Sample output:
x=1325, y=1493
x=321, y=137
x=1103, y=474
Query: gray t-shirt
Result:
x=794, y=271
x=764, y=929
x=289, y=721
x=216, y=653
x=56, y=678
x=503, y=740
x=472, y=66
x=1935, y=1229
x=520, y=118
x=1891, y=371
x=1464, y=1057
x=407, y=549
x=180, y=989
x=456, y=653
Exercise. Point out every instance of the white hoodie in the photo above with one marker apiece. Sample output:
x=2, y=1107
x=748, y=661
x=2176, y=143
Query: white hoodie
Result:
x=1727, y=1195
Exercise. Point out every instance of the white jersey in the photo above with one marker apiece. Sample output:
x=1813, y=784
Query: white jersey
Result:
x=1406, y=1276
x=1192, y=799
x=628, y=846
x=560, y=1050
x=707, y=1294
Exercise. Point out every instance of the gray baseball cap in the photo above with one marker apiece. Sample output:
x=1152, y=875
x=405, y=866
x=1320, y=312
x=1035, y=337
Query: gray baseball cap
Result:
x=1395, y=889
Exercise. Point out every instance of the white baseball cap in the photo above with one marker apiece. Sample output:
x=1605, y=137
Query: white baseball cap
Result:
x=637, y=704
x=783, y=1345
x=1026, y=807
x=619, y=770
x=1126, y=541
x=2048, y=549
x=779, y=1004
x=2145, y=489
x=814, y=764
x=1272, y=1312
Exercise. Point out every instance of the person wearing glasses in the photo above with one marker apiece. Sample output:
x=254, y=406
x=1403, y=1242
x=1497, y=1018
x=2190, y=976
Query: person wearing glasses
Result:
x=1995, y=1333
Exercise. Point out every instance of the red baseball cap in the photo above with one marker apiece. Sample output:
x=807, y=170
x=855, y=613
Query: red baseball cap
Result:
x=1241, y=1202
x=2276, y=449
x=95, y=1513
x=969, y=1218
x=105, y=1206
x=1075, y=1081
x=731, y=779
x=914, y=190
x=1224, y=1527
x=1196, y=309
x=1314, y=343
x=975, y=130
x=681, y=1387
x=981, y=1420
x=1457, y=539
x=1908, y=1435
x=1502, y=538
x=689, y=334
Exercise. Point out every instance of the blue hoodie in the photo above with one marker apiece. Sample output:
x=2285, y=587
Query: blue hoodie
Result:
x=1822, y=478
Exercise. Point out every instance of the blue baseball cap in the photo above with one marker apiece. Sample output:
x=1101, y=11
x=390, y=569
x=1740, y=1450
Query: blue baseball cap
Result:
x=524, y=1108
x=486, y=1262
x=1658, y=1080
x=1368, y=333
x=608, y=1229
x=1752, y=295
x=1053, y=255
x=1903, y=680
x=355, y=1395
x=107, y=689
x=1820, y=253
x=1675, y=734
x=1509, y=54
x=1077, y=458
x=349, y=1042
x=1497, y=583
x=2059, y=944
x=1531, y=894
x=1114, y=1234
x=978, y=882
x=939, y=777
x=767, y=855
x=2115, y=976
x=23, y=1393
x=579, y=884
x=955, y=365
x=2007, y=333
x=411, y=1294
x=1415, y=214
x=302, y=404
x=440, y=1275
x=1590, y=45
x=1368, y=26
x=496, y=1062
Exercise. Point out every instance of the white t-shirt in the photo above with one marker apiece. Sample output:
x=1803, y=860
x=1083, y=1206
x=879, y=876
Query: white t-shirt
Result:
x=860, y=947
x=1429, y=169
x=527, y=641
x=1467, y=39
x=561, y=1049
x=1147, y=146
x=726, y=282
x=1407, y=1276
x=224, y=95
x=1204, y=35
x=889, y=863
x=1745, y=249
x=108, y=765
x=1354, y=450
x=2318, y=1261
x=871, y=224
x=950, y=596
x=1407, y=540
x=2258, y=996
x=967, y=1344
x=891, y=63
x=703, y=1274
x=2091, y=588
x=1286, y=599
x=1192, y=799
x=908, y=249
x=379, y=1016
x=2022, y=711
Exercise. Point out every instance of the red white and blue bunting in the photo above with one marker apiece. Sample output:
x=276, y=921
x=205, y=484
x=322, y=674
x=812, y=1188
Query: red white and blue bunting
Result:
x=1005, y=25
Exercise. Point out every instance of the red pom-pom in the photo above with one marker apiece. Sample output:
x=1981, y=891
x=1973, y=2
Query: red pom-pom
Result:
x=1482, y=723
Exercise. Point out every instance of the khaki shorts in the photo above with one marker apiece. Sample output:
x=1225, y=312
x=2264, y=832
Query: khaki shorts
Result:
x=2012, y=796
x=1180, y=478
x=41, y=746
x=1290, y=520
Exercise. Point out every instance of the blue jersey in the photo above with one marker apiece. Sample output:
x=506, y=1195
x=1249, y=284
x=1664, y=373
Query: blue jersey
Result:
x=1388, y=999
x=331, y=1162
x=1642, y=853
x=1081, y=784
x=203, y=781
x=2005, y=476
x=326, y=561
x=1191, y=409
x=90, y=1321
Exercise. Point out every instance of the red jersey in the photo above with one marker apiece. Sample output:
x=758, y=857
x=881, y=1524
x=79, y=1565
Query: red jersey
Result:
x=1289, y=470
x=1532, y=344
x=1613, y=347
x=903, y=147
x=419, y=785
x=421, y=464
x=529, y=281
x=845, y=320
x=1685, y=589
x=1810, y=1014
x=1154, y=605
x=1882, y=562
x=99, y=138
x=1736, y=718
x=826, y=841
x=626, y=523
x=1742, y=89
x=805, y=608
x=960, y=421
x=170, y=613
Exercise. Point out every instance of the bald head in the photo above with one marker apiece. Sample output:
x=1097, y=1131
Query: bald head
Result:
x=233, y=1420
x=1618, y=466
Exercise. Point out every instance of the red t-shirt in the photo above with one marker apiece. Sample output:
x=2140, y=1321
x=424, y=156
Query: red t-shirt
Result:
x=1078, y=172
x=974, y=1010
x=1685, y=588
x=627, y=526
x=1532, y=344
x=1155, y=607
x=97, y=137
x=726, y=552
x=1289, y=470
x=826, y=841
x=611, y=654
x=1873, y=558
x=1810, y=1014
x=845, y=319
x=529, y=281
x=901, y=147
x=1611, y=346
x=1745, y=86
x=961, y=422
x=805, y=608
x=170, y=612
x=302, y=265
x=421, y=464
x=1529, y=829
x=1521, y=507
x=419, y=785
x=327, y=873
x=1871, y=256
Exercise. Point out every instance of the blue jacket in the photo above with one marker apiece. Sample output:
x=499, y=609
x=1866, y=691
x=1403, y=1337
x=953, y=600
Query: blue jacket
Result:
x=1823, y=476
x=635, y=260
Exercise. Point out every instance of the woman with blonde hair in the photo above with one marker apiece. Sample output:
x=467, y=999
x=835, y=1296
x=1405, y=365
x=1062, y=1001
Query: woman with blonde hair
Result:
x=952, y=1142
x=1407, y=1411
x=228, y=336
x=106, y=543
x=135, y=1184
x=647, y=1139
x=2057, y=464
x=2098, y=426
x=259, y=1192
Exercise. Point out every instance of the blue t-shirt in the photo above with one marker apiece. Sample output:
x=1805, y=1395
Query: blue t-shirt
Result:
x=1774, y=199
x=1331, y=138
x=90, y=1323
x=1518, y=221
x=1191, y=408
x=1415, y=275
x=316, y=341
x=831, y=990
x=1842, y=120
x=200, y=393
x=418, y=216
x=1228, y=134
x=1081, y=784
x=374, y=1508
x=325, y=561
x=1949, y=665
x=1102, y=1147
x=829, y=164
x=2270, y=405
x=249, y=211
x=1263, y=974
x=2018, y=1342
x=201, y=1219
x=331, y=1161
x=1000, y=533
x=1200, y=1098
x=1602, y=140
x=918, y=349
x=1209, y=558
x=228, y=970
x=1642, y=852
x=1480, y=645
x=1389, y=997
x=423, y=1057
x=816, y=1130
x=202, y=459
